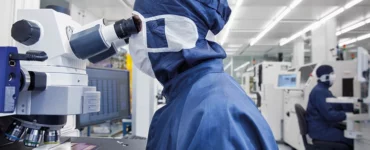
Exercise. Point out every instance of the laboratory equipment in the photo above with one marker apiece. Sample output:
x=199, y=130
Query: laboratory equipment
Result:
x=266, y=77
x=358, y=127
x=44, y=76
x=247, y=83
x=343, y=85
x=115, y=96
x=288, y=80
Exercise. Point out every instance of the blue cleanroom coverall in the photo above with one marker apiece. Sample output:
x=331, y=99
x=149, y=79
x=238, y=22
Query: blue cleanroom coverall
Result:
x=206, y=109
x=322, y=117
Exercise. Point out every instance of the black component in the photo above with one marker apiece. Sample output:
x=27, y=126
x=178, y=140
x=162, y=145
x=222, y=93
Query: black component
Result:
x=347, y=87
x=301, y=115
x=15, y=131
x=115, y=96
x=259, y=100
x=260, y=70
x=38, y=81
x=340, y=56
x=31, y=55
x=44, y=119
x=51, y=137
x=280, y=57
x=104, y=55
x=88, y=43
x=59, y=9
x=23, y=76
x=125, y=28
x=32, y=137
x=127, y=40
x=26, y=32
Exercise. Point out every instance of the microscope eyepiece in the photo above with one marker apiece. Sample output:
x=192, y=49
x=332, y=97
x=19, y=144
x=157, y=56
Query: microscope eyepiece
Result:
x=125, y=28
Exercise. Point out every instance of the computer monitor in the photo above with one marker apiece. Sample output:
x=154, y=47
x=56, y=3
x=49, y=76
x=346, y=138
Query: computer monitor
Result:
x=288, y=80
x=115, y=96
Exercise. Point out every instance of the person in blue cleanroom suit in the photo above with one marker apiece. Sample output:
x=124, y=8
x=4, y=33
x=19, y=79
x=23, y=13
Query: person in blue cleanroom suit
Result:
x=323, y=118
x=206, y=108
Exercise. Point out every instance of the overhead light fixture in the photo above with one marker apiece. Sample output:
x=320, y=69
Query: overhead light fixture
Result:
x=275, y=21
x=231, y=21
x=242, y=66
x=354, y=40
x=351, y=27
x=363, y=37
x=331, y=15
x=228, y=65
x=368, y=20
x=352, y=3
x=320, y=22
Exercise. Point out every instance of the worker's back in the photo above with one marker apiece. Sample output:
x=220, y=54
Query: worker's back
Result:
x=207, y=109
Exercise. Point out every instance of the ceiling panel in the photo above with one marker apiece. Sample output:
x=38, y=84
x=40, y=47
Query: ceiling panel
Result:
x=354, y=13
x=266, y=2
x=304, y=12
x=257, y=12
x=248, y=24
x=315, y=3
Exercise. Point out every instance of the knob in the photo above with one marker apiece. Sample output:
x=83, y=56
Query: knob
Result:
x=26, y=32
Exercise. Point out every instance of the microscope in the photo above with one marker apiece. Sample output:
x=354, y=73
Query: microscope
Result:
x=44, y=78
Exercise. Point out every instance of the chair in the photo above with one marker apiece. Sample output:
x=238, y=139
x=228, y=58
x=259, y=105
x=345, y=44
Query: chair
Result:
x=317, y=145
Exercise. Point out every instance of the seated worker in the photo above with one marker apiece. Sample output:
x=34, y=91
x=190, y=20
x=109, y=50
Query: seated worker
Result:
x=324, y=118
x=206, y=108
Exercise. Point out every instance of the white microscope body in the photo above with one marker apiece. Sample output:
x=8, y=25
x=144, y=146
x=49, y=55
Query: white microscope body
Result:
x=67, y=91
x=47, y=71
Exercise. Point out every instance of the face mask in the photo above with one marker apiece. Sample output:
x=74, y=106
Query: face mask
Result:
x=332, y=78
x=163, y=33
x=328, y=78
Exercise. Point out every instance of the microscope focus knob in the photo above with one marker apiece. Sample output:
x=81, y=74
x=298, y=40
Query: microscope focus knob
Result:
x=26, y=32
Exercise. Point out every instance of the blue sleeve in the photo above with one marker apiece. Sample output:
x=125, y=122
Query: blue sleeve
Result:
x=326, y=110
x=343, y=107
x=347, y=107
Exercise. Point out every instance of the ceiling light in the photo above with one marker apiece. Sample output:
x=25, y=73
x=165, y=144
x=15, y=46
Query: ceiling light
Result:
x=228, y=65
x=331, y=15
x=327, y=12
x=352, y=3
x=363, y=37
x=350, y=28
x=308, y=28
x=231, y=21
x=242, y=66
x=275, y=21
x=360, y=38
x=320, y=22
x=295, y=3
x=368, y=20
x=348, y=42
